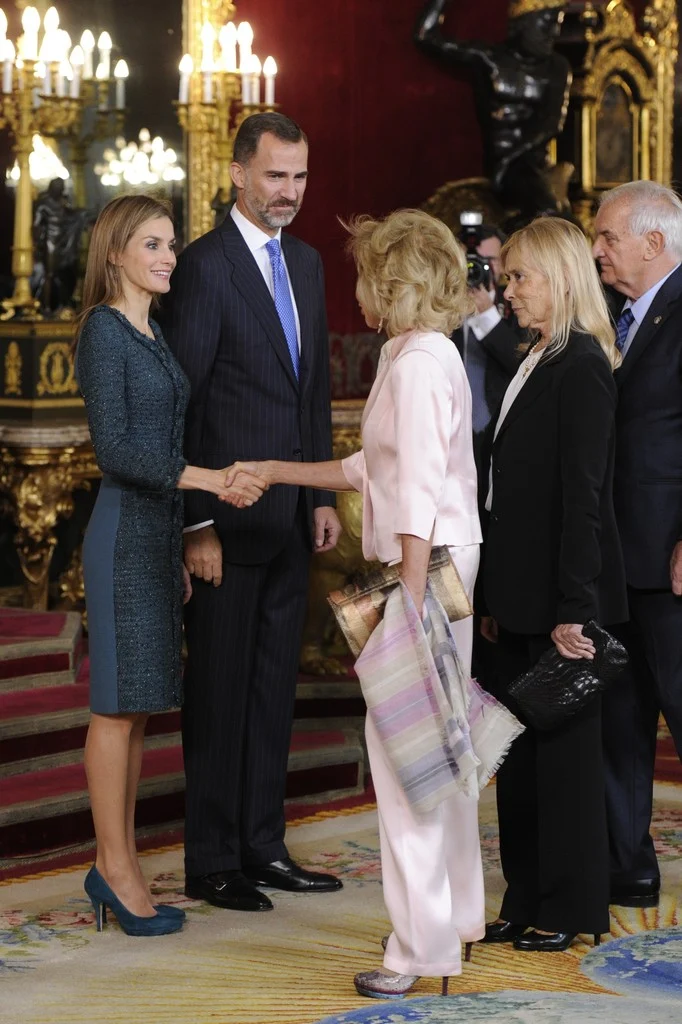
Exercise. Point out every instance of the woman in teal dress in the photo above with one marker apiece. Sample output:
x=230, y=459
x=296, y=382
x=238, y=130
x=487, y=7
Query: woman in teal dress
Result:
x=135, y=583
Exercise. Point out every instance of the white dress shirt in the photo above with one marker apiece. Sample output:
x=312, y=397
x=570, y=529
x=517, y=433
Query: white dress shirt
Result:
x=640, y=308
x=522, y=374
x=256, y=239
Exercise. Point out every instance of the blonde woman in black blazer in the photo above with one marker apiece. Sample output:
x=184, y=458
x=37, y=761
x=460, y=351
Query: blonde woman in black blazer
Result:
x=552, y=562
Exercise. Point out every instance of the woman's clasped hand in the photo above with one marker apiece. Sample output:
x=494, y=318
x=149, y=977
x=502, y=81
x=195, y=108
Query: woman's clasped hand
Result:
x=239, y=485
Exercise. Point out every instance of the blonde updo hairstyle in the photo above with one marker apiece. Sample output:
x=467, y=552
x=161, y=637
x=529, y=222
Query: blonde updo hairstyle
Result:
x=559, y=251
x=412, y=273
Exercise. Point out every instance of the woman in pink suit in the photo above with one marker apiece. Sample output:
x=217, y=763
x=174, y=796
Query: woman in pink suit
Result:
x=418, y=480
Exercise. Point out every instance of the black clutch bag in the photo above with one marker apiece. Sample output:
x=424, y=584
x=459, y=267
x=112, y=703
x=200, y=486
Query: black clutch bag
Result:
x=556, y=688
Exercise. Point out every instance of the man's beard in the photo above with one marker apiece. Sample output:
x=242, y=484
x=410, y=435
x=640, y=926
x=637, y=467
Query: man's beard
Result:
x=267, y=214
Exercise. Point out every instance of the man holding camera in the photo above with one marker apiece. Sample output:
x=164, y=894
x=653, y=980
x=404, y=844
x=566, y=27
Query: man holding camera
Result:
x=488, y=341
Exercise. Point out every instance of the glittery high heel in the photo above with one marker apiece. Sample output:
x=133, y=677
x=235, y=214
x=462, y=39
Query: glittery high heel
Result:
x=378, y=985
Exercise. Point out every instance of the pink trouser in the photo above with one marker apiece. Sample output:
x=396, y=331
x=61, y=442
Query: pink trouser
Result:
x=430, y=863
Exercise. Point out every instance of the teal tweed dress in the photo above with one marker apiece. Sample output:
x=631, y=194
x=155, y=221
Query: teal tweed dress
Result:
x=135, y=395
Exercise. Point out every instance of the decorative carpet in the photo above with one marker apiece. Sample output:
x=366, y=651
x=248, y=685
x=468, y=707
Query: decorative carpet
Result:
x=296, y=965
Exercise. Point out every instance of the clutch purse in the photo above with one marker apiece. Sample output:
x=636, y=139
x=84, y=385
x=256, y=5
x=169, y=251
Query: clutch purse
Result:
x=556, y=688
x=359, y=606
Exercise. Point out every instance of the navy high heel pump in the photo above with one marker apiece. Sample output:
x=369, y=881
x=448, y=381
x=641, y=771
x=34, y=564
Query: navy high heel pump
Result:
x=102, y=896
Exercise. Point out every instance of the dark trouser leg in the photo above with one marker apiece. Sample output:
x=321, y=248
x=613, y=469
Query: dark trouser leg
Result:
x=517, y=807
x=630, y=720
x=221, y=625
x=573, y=850
x=553, y=836
x=659, y=617
x=271, y=699
x=652, y=682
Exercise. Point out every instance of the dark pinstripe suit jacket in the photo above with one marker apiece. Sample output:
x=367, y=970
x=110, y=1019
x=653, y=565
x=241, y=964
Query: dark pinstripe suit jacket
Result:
x=221, y=323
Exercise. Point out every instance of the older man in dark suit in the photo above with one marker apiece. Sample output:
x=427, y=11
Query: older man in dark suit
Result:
x=246, y=320
x=639, y=248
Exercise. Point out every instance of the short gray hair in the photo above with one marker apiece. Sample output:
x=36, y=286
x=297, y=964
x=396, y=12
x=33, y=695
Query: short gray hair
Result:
x=653, y=207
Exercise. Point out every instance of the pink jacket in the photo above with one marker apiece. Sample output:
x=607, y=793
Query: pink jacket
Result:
x=416, y=466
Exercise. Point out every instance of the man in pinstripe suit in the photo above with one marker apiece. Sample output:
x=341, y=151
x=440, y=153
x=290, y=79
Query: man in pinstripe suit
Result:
x=246, y=319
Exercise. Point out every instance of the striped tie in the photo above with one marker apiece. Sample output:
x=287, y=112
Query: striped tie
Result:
x=622, y=327
x=283, y=303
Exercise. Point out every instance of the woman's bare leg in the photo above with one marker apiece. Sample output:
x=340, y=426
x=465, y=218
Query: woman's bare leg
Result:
x=134, y=768
x=107, y=755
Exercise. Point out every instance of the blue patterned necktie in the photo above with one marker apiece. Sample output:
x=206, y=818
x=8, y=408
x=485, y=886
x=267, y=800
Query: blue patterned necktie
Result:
x=283, y=303
x=622, y=327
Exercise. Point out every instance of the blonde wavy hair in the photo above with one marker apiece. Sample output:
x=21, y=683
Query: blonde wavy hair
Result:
x=560, y=252
x=412, y=273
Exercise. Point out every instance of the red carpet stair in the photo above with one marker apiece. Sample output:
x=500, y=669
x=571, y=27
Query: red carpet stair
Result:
x=43, y=721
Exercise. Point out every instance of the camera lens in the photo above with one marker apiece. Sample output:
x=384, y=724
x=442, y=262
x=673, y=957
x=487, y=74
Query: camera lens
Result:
x=478, y=271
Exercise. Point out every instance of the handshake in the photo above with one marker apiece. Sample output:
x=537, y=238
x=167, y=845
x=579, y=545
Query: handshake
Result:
x=241, y=484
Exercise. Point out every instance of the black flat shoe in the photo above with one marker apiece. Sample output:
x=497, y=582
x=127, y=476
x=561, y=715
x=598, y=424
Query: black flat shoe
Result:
x=285, y=874
x=228, y=890
x=557, y=942
x=642, y=892
x=503, y=931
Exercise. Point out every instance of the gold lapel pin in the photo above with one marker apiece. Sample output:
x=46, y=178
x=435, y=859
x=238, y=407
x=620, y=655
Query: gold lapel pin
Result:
x=657, y=319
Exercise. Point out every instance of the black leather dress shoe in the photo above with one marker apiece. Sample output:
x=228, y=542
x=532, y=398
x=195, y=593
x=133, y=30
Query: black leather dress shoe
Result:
x=227, y=889
x=642, y=892
x=536, y=942
x=287, y=875
x=503, y=931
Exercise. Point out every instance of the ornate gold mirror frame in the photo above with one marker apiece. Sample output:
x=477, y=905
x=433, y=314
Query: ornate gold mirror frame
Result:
x=641, y=62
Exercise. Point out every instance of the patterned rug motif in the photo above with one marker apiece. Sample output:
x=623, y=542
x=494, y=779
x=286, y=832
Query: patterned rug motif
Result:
x=296, y=965
x=510, y=1007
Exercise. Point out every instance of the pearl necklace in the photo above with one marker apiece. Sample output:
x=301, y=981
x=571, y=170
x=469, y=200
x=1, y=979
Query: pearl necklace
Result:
x=532, y=359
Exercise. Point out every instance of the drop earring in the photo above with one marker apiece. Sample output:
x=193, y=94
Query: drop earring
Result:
x=381, y=325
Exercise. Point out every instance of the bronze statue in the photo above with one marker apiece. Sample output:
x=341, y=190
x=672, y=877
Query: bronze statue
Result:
x=57, y=228
x=521, y=89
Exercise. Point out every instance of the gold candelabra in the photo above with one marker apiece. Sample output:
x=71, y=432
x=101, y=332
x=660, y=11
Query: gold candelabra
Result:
x=105, y=122
x=220, y=85
x=46, y=91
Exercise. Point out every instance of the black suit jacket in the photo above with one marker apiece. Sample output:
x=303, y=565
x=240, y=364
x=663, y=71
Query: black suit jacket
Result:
x=221, y=323
x=552, y=552
x=648, y=478
x=501, y=348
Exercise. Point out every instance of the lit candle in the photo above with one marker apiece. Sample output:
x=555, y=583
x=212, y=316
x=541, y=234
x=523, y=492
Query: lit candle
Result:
x=255, y=79
x=269, y=71
x=77, y=62
x=207, y=44
x=207, y=79
x=64, y=75
x=120, y=74
x=227, y=38
x=30, y=21
x=38, y=72
x=87, y=45
x=8, y=55
x=51, y=21
x=186, y=69
x=245, y=39
x=104, y=45
x=246, y=88
x=102, y=86
x=47, y=79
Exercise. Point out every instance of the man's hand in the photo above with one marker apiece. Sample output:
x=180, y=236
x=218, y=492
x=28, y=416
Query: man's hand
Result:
x=676, y=569
x=328, y=529
x=204, y=555
x=481, y=297
x=240, y=486
x=571, y=642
